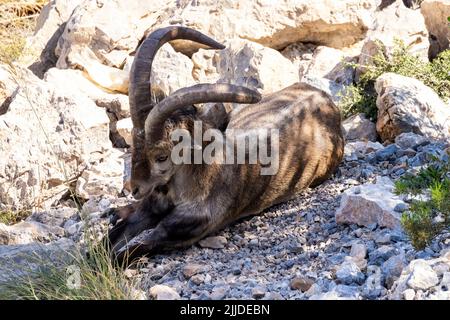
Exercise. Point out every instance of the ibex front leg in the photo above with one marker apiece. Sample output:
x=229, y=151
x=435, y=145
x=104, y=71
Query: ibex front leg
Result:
x=184, y=226
x=136, y=218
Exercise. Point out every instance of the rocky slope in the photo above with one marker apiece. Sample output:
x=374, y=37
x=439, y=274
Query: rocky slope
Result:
x=65, y=131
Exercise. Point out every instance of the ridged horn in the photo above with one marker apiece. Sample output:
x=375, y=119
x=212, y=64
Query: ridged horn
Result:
x=200, y=93
x=139, y=85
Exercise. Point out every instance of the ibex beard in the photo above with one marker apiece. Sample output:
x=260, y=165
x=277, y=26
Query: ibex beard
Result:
x=236, y=146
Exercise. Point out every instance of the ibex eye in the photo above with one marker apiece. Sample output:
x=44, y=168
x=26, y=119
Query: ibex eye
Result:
x=161, y=158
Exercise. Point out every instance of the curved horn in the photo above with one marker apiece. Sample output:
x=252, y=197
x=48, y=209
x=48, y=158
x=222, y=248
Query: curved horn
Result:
x=139, y=86
x=200, y=93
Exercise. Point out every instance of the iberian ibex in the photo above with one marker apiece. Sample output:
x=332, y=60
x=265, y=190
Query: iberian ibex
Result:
x=182, y=202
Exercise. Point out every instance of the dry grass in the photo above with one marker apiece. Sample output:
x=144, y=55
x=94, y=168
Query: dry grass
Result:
x=17, y=21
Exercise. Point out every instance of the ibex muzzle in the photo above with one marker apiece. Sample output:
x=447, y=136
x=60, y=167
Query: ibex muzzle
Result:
x=182, y=203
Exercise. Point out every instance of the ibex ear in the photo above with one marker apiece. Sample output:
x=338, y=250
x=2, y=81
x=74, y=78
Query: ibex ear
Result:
x=216, y=114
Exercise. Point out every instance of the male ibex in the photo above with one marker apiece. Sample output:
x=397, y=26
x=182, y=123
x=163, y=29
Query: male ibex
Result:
x=181, y=203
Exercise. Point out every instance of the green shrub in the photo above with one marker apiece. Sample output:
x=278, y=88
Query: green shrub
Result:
x=426, y=219
x=361, y=97
x=10, y=217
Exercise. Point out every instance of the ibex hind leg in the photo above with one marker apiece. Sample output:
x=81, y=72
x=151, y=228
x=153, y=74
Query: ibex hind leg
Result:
x=181, y=228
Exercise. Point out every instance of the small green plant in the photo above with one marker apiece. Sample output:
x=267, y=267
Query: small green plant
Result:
x=361, y=97
x=10, y=217
x=427, y=218
x=87, y=273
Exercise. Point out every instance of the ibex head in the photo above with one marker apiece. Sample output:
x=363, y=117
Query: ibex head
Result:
x=140, y=98
x=175, y=112
x=151, y=163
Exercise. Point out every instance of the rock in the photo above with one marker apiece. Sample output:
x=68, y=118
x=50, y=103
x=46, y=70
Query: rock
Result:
x=358, y=127
x=349, y=273
x=372, y=203
x=386, y=153
x=8, y=87
x=217, y=242
x=124, y=128
x=435, y=13
x=392, y=269
x=407, y=105
x=90, y=34
x=358, y=251
x=205, y=66
x=197, y=279
x=372, y=288
x=409, y=294
x=332, y=88
x=395, y=22
x=219, y=292
x=40, y=48
x=54, y=217
x=383, y=253
x=301, y=55
x=411, y=140
x=170, y=71
x=258, y=292
x=192, y=269
x=47, y=138
x=362, y=147
x=383, y=238
x=27, y=232
x=80, y=84
x=329, y=63
x=422, y=276
x=301, y=283
x=103, y=177
x=22, y=262
x=250, y=64
x=162, y=292
x=275, y=24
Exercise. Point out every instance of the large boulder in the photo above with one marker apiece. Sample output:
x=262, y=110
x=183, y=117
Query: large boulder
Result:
x=250, y=64
x=27, y=232
x=98, y=44
x=436, y=13
x=276, y=24
x=407, y=105
x=330, y=63
x=395, y=22
x=170, y=71
x=371, y=203
x=40, y=47
x=20, y=263
x=47, y=138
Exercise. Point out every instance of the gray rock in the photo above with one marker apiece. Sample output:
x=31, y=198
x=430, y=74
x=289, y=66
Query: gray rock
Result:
x=386, y=153
x=383, y=253
x=349, y=273
x=373, y=203
x=392, y=269
x=22, y=262
x=162, y=292
x=358, y=251
x=410, y=140
x=217, y=242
